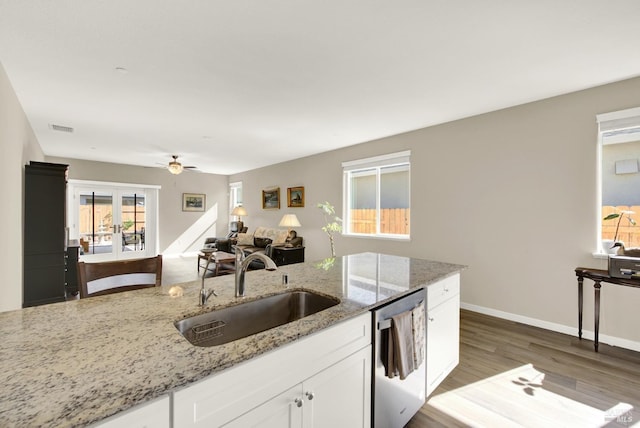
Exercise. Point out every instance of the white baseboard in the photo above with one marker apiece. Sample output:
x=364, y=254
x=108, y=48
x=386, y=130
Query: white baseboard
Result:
x=560, y=328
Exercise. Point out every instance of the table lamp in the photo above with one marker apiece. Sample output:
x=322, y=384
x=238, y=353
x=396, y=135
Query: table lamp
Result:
x=239, y=211
x=289, y=221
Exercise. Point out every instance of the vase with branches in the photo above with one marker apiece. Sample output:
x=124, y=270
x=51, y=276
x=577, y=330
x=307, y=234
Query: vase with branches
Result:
x=333, y=223
x=619, y=216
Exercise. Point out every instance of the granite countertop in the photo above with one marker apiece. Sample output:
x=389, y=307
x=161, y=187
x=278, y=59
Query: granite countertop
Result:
x=77, y=362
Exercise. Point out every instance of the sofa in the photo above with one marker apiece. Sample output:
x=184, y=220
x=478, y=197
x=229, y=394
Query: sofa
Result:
x=267, y=241
x=224, y=244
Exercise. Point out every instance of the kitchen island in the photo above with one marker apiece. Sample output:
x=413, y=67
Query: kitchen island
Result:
x=76, y=363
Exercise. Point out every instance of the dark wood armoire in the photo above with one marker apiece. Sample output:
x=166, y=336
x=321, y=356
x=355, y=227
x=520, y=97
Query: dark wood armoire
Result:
x=45, y=233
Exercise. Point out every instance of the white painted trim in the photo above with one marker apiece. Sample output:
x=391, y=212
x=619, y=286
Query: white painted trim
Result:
x=560, y=328
x=617, y=115
x=383, y=160
x=111, y=184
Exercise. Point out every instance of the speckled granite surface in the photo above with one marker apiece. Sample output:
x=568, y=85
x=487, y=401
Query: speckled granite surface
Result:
x=74, y=363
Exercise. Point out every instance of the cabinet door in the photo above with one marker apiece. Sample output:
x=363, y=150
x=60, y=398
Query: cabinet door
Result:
x=443, y=337
x=282, y=411
x=340, y=396
x=233, y=395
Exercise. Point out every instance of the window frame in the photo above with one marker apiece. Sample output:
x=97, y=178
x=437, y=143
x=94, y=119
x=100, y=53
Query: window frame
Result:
x=610, y=123
x=235, y=196
x=376, y=163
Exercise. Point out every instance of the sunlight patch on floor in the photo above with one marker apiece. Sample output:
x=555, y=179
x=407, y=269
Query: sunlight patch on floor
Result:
x=517, y=398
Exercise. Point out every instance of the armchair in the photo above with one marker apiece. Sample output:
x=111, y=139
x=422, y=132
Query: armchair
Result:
x=225, y=243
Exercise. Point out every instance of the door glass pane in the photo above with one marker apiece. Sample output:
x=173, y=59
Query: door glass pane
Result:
x=362, y=207
x=96, y=223
x=133, y=219
x=394, y=200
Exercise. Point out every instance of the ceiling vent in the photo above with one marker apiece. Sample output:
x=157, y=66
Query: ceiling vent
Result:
x=60, y=128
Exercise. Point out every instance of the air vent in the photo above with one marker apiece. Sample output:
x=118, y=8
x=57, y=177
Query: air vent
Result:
x=60, y=128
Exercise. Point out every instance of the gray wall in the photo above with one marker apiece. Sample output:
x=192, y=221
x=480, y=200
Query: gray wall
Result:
x=511, y=194
x=18, y=146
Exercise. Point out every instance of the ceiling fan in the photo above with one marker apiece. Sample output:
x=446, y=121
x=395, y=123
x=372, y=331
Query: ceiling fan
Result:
x=176, y=167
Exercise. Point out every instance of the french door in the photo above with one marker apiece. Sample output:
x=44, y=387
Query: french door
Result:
x=112, y=222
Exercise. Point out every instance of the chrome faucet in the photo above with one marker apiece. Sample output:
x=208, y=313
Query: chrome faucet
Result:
x=242, y=264
x=205, y=293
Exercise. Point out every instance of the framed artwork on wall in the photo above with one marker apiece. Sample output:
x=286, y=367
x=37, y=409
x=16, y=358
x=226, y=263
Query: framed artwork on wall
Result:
x=295, y=197
x=271, y=199
x=193, y=201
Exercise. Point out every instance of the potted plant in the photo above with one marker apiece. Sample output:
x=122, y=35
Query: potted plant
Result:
x=333, y=223
x=609, y=246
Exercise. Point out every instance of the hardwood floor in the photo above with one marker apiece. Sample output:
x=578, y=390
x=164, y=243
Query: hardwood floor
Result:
x=511, y=374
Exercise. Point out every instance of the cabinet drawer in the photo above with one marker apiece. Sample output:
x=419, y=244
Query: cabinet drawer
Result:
x=442, y=291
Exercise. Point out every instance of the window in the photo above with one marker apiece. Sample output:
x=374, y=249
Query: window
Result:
x=235, y=195
x=377, y=196
x=619, y=144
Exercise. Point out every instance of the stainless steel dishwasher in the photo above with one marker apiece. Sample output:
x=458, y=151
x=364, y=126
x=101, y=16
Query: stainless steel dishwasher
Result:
x=395, y=401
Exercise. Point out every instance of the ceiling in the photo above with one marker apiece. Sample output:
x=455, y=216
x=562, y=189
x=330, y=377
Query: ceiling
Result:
x=235, y=85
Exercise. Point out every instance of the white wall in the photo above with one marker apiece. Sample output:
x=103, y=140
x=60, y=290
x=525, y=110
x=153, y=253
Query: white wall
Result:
x=175, y=234
x=511, y=194
x=18, y=146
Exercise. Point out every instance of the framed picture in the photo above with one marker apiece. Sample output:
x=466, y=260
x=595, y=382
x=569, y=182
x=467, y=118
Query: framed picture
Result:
x=295, y=197
x=271, y=199
x=193, y=201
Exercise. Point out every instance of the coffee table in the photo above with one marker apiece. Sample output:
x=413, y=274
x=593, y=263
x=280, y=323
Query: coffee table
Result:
x=223, y=262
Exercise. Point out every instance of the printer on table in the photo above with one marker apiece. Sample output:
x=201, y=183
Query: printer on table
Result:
x=624, y=267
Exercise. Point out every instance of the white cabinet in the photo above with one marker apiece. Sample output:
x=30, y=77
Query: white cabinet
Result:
x=337, y=396
x=281, y=411
x=334, y=365
x=155, y=414
x=443, y=330
x=340, y=395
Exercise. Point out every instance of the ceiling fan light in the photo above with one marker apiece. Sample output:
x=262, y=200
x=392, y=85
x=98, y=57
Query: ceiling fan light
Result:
x=175, y=167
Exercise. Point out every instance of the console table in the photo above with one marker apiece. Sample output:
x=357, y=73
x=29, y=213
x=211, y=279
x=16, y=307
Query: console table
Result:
x=597, y=276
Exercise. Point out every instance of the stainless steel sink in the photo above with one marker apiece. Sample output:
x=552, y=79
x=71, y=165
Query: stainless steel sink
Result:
x=235, y=322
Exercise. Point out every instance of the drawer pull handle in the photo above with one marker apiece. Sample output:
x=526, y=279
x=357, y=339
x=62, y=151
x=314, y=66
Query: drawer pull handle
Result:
x=299, y=402
x=310, y=396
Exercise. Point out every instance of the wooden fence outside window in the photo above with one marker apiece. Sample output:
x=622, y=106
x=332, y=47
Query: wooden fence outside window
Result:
x=395, y=221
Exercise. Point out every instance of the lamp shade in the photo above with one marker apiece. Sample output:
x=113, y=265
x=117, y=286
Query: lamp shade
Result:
x=175, y=167
x=289, y=220
x=239, y=211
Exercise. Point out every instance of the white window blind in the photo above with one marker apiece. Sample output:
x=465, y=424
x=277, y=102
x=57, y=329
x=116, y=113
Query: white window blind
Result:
x=619, y=126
